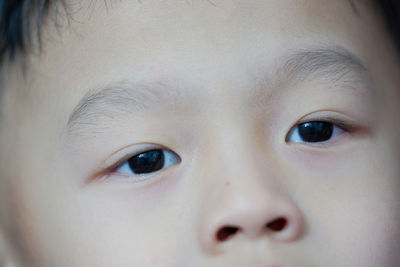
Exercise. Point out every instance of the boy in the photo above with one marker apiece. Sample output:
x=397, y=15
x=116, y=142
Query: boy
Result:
x=200, y=133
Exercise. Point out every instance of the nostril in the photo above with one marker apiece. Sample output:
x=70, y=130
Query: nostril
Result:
x=226, y=233
x=277, y=224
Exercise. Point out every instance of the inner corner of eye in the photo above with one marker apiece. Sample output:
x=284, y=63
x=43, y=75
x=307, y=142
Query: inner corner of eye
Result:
x=148, y=162
x=290, y=133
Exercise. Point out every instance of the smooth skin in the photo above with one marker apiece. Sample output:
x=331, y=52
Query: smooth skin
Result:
x=221, y=85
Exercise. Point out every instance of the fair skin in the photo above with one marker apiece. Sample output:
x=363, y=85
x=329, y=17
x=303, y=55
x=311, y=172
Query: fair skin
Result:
x=220, y=85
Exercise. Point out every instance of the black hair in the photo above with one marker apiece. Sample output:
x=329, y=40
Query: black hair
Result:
x=16, y=24
x=20, y=18
x=391, y=12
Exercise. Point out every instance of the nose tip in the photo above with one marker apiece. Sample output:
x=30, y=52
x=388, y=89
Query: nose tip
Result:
x=225, y=233
x=279, y=221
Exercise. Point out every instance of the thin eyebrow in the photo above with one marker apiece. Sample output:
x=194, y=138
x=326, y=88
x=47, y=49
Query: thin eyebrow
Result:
x=335, y=63
x=102, y=107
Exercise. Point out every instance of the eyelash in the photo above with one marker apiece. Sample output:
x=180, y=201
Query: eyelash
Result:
x=334, y=128
x=124, y=165
x=152, y=161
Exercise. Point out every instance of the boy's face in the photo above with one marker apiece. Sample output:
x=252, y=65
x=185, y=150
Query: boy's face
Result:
x=215, y=90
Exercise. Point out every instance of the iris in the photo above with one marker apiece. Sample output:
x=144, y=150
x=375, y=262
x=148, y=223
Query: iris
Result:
x=146, y=162
x=316, y=131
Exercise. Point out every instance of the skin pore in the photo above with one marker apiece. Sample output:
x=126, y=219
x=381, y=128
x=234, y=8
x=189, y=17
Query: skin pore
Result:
x=219, y=87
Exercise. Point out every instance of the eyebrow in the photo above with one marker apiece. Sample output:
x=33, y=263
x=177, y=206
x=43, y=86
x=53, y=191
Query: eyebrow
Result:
x=334, y=63
x=103, y=106
x=100, y=108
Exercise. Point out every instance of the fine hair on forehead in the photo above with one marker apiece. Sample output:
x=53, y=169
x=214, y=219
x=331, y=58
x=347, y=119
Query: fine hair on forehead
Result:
x=21, y=22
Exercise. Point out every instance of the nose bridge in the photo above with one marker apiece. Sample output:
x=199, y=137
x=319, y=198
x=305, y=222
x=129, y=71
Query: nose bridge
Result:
x=241, y=161
x=244, y=201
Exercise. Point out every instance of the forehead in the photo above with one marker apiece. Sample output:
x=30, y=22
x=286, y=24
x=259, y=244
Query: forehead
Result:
x=123, y=38
x=190, y=42
x=146, y=29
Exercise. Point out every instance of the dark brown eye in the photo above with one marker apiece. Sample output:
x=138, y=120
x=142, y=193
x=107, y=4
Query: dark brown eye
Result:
x=148, y=162
x=316, y=131
x=313, y=132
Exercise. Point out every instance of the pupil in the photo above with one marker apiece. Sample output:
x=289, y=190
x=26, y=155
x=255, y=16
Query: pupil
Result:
x=146, y=162
x=316, y=131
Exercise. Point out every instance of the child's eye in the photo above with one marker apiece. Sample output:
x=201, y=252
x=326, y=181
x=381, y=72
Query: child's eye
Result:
x=148, y=162
x=314, y=132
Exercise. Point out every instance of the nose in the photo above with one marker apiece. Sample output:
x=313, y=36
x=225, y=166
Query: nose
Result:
x=247, y=214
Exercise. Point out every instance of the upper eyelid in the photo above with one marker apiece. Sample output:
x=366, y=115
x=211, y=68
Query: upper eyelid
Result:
x=342, y=125
x=165, y=152
x=338, y=118
x=343, y=121
x=317, y=145
x=129, y=151
x=116, y=159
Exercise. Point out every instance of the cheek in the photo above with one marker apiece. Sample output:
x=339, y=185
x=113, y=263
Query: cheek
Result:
x=354, y=231
x=110, y=233
x=372, y=238
x=352, y=203
x=67, y=226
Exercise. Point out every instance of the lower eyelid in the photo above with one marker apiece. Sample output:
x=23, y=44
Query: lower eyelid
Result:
x=338, y=129
x=335, y=142
x=170, y=159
